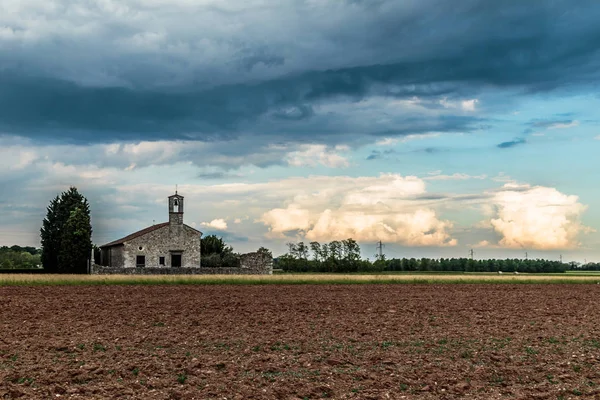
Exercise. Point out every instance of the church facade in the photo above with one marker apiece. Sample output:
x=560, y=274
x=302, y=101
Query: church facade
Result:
x=171, y=244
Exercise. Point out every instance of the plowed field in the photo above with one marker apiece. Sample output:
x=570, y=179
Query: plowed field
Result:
x=300, y=342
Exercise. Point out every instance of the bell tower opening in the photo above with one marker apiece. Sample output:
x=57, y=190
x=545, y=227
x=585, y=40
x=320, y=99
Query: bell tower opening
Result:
x=176, y=209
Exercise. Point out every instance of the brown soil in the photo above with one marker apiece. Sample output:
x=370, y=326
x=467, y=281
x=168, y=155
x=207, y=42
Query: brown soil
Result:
x=300, y=342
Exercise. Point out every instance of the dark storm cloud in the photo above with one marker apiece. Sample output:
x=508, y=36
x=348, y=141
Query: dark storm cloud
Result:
x=50, y=109
x=512, y=143
x=275, y=75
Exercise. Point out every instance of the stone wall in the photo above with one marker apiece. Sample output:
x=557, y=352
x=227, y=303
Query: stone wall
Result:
x=260, y=263
x=250, y=264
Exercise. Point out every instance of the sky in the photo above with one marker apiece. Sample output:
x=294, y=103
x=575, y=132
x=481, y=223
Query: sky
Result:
x=435, y=127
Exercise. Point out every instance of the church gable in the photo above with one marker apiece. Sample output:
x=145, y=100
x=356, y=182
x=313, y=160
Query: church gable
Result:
x=134, y=235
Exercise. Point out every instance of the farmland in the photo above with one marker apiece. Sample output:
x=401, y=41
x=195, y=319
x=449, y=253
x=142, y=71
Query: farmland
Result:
x=300, y=341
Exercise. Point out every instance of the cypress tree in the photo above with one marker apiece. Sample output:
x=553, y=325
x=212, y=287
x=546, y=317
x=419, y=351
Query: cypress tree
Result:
x=50, y=234
x=66, y=234
x=76, y=243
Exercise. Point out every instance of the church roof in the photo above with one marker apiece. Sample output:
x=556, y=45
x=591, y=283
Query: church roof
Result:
x=141, y=233
x=135, y=234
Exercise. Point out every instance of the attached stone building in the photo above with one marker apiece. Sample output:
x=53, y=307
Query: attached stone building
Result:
x=170, y=244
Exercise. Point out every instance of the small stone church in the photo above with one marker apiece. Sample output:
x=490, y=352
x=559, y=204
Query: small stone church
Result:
x=170, y=244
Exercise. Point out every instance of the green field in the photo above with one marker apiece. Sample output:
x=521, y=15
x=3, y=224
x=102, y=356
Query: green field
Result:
x=382, y=278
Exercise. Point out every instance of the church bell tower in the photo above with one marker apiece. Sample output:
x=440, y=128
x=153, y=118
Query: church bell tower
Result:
x=175, y=209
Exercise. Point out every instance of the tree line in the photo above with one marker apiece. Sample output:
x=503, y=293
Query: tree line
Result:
x=335, y=256
x=17, y=257
x=471, y=265
x=344, y=256
x=590, y=266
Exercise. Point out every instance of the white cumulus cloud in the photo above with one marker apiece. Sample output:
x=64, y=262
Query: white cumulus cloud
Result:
x=219, y=224
x=364, y=208
x=537, y=217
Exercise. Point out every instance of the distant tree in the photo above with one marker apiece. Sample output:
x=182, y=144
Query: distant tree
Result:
x=292, y=249
x=335, y=250
x=265, y=251
x=212, y=244
x=216, y=253
x=29, y=249
x=66, y=233
x=302, y=251
x=351, y=250
x=19, y=257
x=316, y=249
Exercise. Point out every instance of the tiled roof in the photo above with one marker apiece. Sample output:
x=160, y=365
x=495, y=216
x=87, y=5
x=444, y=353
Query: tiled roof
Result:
x=135, y=234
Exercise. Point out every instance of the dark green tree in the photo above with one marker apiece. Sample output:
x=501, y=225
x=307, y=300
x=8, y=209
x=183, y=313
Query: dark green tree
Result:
x=76, y=243
x=216, y=253
x=50, y=234
x=265, y=251
x=302, y=251
x=57, y=237
x=212, y=244
x=19, y=257
x=317, y=252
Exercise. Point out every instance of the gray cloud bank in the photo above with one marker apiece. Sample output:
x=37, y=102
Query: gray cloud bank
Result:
x=103, y=72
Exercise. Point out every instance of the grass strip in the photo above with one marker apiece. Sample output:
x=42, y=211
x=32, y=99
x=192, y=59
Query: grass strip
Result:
x=290, y=279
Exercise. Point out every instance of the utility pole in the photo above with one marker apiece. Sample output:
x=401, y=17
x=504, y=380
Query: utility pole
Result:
x=380, y=248
x=561, y=258
x=526, y=255
x=471, y=253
